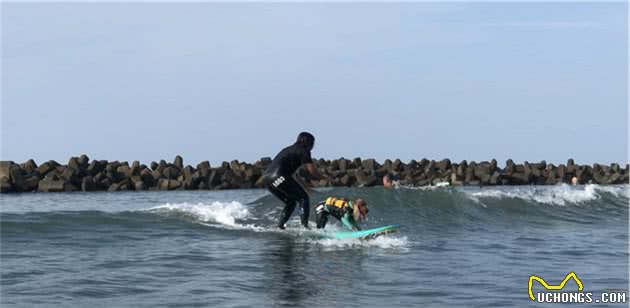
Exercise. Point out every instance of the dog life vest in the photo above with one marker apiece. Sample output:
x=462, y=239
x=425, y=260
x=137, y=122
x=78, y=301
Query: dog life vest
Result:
x=339, y=203
x=339, y=208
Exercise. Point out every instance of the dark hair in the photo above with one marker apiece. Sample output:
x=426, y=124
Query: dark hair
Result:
x=306, y=139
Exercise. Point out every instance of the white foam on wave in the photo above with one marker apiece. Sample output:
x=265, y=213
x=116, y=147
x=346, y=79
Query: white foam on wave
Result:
x=617, y=191
x=441, y=186
x=556, y=195
x=389, y=241
x=221, y=213
x=231, y=215
x=383, y=242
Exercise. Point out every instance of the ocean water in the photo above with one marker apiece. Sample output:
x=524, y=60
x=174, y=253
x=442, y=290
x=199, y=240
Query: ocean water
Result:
x=458, y=247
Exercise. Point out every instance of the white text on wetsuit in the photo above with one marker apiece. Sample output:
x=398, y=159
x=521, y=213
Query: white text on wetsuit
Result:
x=278, y=181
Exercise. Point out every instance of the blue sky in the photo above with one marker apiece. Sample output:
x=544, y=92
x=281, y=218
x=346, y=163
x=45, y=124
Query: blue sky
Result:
x=219, y=81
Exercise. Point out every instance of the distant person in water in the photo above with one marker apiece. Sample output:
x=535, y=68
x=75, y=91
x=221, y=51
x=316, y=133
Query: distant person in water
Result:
x=279, y=177
x=574, y=180
x=347, y=211
x=388, y=181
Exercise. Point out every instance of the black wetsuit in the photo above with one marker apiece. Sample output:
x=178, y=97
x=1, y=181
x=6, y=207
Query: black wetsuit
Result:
x=279, y=180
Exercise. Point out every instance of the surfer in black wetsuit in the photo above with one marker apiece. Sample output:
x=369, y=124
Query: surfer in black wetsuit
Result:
x=279, y=177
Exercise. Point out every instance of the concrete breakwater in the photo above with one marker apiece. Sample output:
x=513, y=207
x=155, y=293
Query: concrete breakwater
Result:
x=81, y=174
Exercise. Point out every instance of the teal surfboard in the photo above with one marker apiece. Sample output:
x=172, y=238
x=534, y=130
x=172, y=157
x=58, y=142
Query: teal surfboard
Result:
x=366, y=234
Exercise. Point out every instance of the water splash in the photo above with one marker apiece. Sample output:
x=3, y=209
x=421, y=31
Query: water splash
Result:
x=553, y=195
x=229, y=214
x=321, y=237
x=382, y=242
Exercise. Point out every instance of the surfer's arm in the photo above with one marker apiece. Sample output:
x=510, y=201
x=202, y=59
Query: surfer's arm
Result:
x=310, y=167
x=306, y=188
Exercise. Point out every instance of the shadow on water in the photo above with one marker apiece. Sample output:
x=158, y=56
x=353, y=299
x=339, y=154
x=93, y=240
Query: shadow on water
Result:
x=288, y=282
x=303, y=273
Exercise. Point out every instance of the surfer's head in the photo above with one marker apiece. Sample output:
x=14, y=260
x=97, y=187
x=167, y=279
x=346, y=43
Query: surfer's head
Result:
x=307, y=139
x=360, y=210
x=388, y=181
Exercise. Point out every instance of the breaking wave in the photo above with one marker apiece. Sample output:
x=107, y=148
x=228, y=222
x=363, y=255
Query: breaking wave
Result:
x=558, y=195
